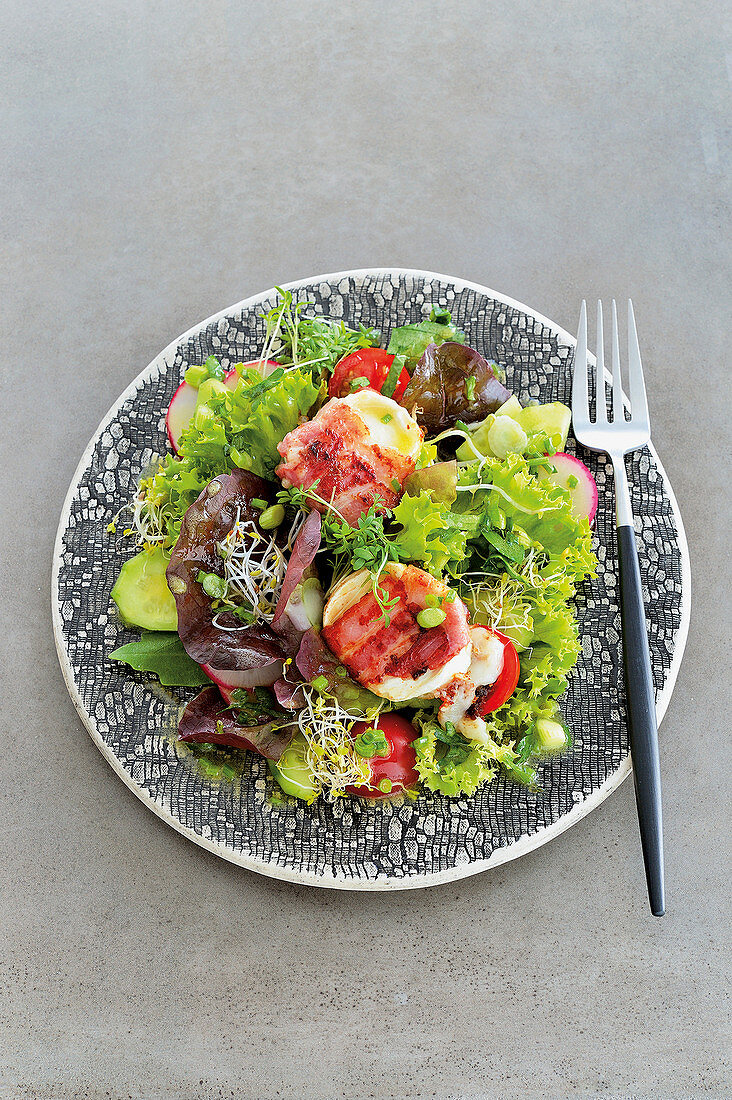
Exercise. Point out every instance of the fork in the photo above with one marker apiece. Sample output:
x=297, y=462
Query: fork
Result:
x=617, y=438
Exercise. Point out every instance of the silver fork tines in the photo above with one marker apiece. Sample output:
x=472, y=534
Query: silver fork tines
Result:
x=600, y=395
x=618, y=436
x=634, y=432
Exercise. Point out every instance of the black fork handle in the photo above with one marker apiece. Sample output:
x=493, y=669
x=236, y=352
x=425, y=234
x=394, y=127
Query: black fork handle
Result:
x=641, y=707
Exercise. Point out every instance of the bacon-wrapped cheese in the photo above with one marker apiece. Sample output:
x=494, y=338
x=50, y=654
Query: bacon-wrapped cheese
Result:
x=357, y=448
x=402, y=660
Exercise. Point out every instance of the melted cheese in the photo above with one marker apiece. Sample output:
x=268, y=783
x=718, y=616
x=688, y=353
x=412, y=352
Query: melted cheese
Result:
x=388, y=425
x=475, y=729
x=345, y=595
x=426, y=686
x=487, y=663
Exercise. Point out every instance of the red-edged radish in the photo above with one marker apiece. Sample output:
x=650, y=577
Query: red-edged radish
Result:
x=573, y=475
x=180, y=411
x=229, y=681
x=183, y=402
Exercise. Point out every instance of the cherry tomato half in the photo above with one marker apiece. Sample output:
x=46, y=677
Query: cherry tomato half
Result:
x=373, y=364
x=389, y=774
x=495, y=695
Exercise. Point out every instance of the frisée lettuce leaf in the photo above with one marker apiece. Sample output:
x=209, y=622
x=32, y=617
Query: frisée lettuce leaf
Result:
x=526, y=555
x=432, y=535
x=243, y=431
x=449, y=764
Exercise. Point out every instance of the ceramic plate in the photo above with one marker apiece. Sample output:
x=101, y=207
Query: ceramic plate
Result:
x=352, y=844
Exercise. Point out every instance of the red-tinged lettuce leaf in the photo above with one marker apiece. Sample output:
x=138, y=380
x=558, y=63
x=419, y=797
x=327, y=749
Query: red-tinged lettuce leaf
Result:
x=439, y=480
x=228, y=645
x=208, y=720
x=315, y=660
x=452, y=382
x=288, y=635
x=290, y=696
x=303, y=554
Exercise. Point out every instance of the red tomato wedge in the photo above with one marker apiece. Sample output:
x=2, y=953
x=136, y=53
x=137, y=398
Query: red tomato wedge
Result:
x=374, y=365
x=493, y=696
x=393, y=773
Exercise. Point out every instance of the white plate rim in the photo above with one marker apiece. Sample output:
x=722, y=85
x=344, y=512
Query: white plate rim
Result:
x=326, y=879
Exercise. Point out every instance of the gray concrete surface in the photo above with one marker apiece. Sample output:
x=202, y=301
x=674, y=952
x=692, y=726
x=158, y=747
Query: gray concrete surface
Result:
x=161, y=161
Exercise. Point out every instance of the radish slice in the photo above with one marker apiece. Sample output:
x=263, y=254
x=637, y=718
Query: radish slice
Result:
x=180, y=411
x=228, y=680
x=183, y=402
x=573, y=475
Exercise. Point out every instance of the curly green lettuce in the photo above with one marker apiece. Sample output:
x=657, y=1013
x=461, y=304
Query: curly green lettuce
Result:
x=449, y=764
x=507, y=489
x=432, y=535
x=241, y=428
x=526, y=555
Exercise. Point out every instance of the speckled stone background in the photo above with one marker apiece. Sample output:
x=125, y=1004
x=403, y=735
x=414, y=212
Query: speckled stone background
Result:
x=162, y=161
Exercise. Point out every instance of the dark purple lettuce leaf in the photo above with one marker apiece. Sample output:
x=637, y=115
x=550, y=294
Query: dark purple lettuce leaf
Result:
x=228, y=645
x=290, y=696
x=288, y=635
x=207, y=719
x=303, y=554
x=314, y=660
x=439, y=393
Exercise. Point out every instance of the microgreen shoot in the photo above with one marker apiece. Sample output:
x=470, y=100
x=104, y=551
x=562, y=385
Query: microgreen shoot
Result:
x=330, y=755
x=300, y=340
x=254, y=568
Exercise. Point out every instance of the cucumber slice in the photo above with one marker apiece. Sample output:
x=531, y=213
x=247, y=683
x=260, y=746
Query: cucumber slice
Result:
x=506, y=436
x=292, y=773
x=141, y=592
x=553, y=419
x=480, y=442
x=510, y=408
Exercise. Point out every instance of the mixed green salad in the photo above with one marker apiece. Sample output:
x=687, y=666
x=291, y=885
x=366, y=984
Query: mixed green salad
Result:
x=365, y=556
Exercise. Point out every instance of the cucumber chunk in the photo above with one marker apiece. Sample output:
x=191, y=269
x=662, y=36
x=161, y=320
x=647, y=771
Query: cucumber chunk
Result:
x=551, y=736
x=141, y=592
x=479, y=438
x=506, y=436
x=292, y=773
x=510, y=408
x=553, y=419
